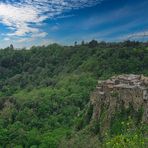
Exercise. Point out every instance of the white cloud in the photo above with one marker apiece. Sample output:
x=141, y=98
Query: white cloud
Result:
x=32, y=37
x=18, y=18
x=23, y=17
x=41, y=34
x=6, y=39
x=54, y=28
x=25, y=40
x=138, y=35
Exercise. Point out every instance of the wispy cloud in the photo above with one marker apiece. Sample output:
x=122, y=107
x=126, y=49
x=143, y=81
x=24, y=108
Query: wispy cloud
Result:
x=118, y=24
x=23, y=17
x=142, y=35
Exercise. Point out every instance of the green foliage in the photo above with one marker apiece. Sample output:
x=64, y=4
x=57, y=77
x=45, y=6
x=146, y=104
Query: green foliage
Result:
x=114, y=94
x=131, y=136
x=44, y=91
x=84, y=118
x=117, y=126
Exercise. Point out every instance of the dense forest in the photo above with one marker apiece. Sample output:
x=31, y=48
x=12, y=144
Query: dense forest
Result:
x=45, y=90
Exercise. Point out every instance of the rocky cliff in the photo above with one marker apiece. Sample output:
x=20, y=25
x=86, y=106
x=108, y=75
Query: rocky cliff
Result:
x=119, y=92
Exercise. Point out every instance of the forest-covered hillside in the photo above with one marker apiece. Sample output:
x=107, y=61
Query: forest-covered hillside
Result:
x=45, y=90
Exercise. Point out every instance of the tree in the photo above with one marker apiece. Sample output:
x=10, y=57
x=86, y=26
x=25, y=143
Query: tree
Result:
x=75, y=44
x=82, y=43
x=93, y=43
x=11, y=46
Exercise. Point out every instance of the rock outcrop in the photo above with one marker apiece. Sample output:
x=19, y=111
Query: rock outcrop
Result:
x=119, y=91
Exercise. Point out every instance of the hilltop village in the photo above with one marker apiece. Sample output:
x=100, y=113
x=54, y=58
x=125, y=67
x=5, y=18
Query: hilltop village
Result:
x=117, y=92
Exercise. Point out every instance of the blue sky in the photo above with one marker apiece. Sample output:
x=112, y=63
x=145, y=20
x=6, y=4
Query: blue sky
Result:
x=37, y=22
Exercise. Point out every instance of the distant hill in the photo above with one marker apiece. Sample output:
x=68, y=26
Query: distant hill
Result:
x=45, y=91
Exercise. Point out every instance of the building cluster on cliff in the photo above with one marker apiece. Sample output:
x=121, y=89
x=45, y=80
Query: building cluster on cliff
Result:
x=122, y=90
x=125, y=82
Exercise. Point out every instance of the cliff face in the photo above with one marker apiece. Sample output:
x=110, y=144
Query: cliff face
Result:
x=119, y=92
